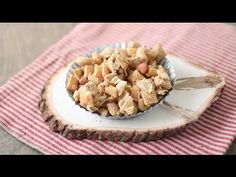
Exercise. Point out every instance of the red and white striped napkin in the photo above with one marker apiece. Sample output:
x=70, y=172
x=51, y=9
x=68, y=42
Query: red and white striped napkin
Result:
x=211, y=45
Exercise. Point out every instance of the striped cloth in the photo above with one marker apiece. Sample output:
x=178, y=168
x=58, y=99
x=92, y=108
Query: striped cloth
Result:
x=211, y=45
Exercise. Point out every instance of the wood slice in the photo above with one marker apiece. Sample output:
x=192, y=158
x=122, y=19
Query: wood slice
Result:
x=196, y=89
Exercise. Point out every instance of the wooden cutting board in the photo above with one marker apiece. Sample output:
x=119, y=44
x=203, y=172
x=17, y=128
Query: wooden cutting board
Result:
x=196, y=88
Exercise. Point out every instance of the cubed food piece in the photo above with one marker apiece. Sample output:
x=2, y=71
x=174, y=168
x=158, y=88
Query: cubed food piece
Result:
x=115, y=80
x=153, y=63
x=72, y=83
x=135, y=93
x=133, y=63
x=141, y=55
x=135, y=76
x=94, y=79
x=88, y=70
x=111, y=90
x=149, y=98
x=142, y=106
x=86, y=99
x=82, y=61
x=132, y=109
x=129, y=107
x=146, y=85
x=122, y=61
x=113, y=66
x=103, y=111
x=157, y=53
x=105, y=69
x=76, y=96
x=152, y=71
x=110, y=76
x=166, y=84
x=113, y=109
x=78, y=73
x=92, y=87
x=98, y=72
x=121, y=87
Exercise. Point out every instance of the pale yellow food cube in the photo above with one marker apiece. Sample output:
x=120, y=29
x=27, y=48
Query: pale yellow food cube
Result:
x=135, y=92
x=132, y=109
x=149, y=98
x=88, y=70
x=105, y=69
x=78, y=72
x=142, y=106
x=72, y=83
x=152, y=72
x=86, y=99
x=111, y=90
x=76, y=96
x=113, y=109
x=98, y=71
x=135, y=76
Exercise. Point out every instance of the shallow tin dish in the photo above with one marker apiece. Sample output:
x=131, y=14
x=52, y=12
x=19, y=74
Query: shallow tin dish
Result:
x=164, y=62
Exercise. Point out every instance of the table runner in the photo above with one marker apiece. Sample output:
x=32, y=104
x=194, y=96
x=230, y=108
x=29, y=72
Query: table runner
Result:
x=208, y=44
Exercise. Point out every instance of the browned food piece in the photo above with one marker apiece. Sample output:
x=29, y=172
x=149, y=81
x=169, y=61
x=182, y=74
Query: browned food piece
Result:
x=132, y=109
x=111, y=90
x=121, y=87
x=152, y=72
x=149, y=98
x=135, y=76
x=146, y=85
x=98, y=72
x=72, y=83
x=133, y=63
x=76, y=95
x=78, y=73
x=157, y=53
x=141, y=55
x=91, y=87
x=97, y=58
x=86, y=99
x=135, y=93
x=122, y=61
x=113, y=109
x=82, y=61
x=161, y=83
x=94, y=79
x=105, y=69
x=142, y=106
x=88, y=70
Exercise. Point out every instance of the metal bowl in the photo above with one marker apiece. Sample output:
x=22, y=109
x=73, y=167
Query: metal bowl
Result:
x=164, y=62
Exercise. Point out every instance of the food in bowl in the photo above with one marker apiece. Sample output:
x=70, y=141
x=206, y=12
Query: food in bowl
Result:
x=120, y=82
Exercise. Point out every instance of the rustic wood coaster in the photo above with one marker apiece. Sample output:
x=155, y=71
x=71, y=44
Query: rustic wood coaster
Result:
x=196, y=88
